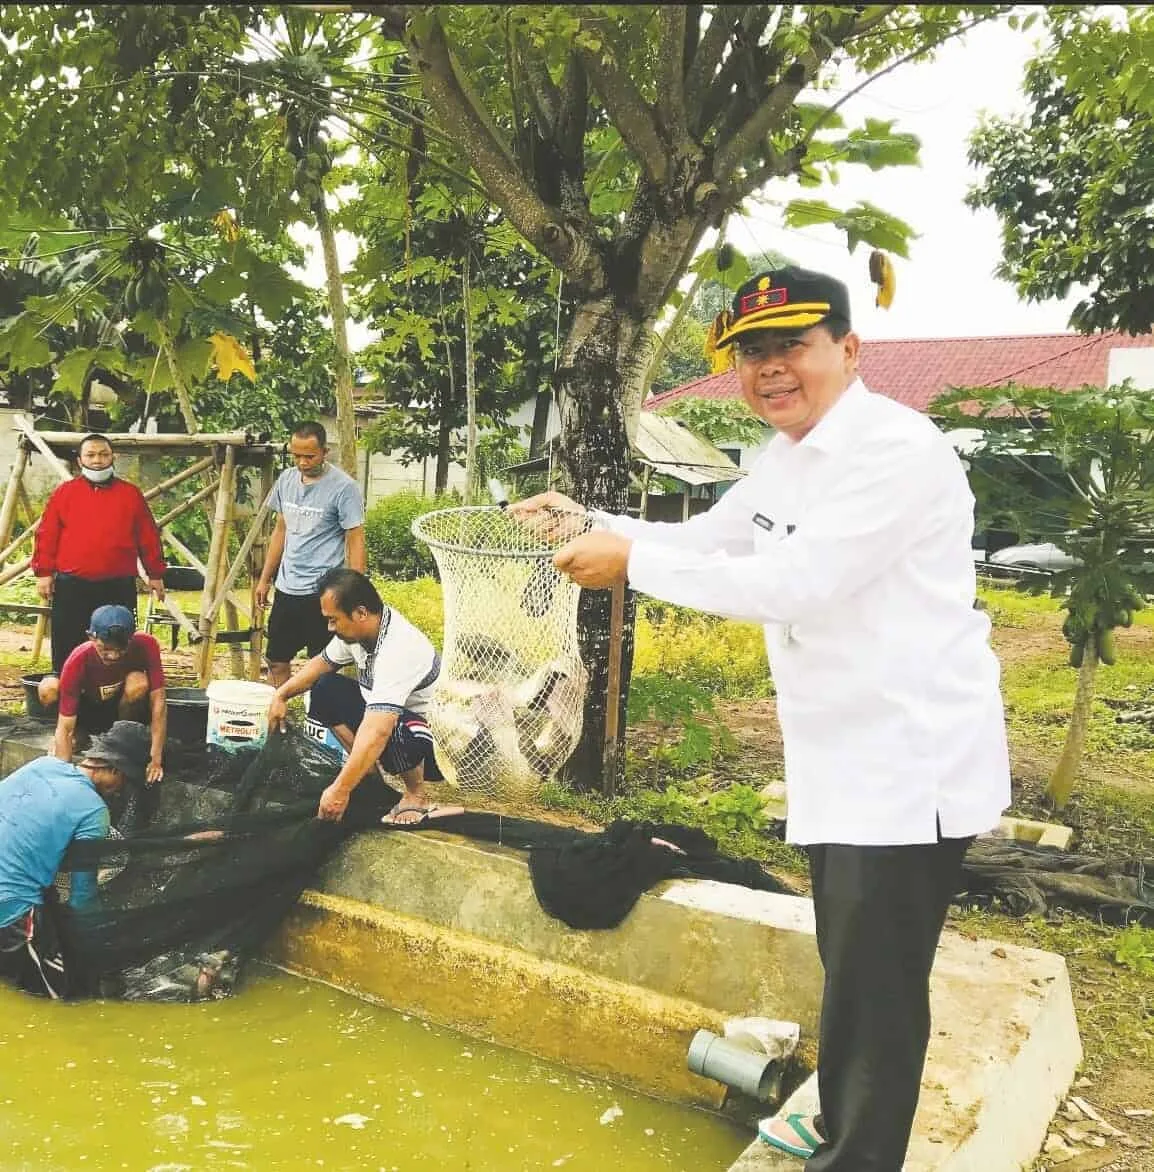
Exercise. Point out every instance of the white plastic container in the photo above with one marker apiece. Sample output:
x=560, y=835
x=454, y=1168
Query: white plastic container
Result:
x=238, y=713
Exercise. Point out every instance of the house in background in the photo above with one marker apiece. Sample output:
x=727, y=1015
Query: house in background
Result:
x=915, y=371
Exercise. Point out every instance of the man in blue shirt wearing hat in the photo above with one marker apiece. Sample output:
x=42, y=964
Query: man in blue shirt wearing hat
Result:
x=849, y=540
x=44, y=806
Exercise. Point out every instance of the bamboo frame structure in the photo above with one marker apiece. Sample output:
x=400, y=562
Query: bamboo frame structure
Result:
x=231, y=453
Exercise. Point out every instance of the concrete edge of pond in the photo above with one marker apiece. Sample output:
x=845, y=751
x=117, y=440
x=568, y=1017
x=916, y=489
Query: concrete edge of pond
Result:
x=446, y=927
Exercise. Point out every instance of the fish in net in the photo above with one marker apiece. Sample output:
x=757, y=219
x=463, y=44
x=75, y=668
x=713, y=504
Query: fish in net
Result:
x=506, y=710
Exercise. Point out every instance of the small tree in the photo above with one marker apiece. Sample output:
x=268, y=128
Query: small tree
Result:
x=1098, y=507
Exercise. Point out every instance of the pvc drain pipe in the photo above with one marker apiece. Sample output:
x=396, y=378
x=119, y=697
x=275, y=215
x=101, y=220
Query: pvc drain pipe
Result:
x=752, y=1072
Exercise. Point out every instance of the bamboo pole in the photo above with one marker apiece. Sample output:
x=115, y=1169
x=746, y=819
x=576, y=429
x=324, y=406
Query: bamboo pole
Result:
x=231, y=614
x=256, y=643
x=15, y=571
x=188, y=505
x=38, y=636
x=12, y=495
x=37, y=440
x=201, y=465
x=613, y=691
x=239, y=561
x=25, y=503
x=216, y=553
x=125, y=440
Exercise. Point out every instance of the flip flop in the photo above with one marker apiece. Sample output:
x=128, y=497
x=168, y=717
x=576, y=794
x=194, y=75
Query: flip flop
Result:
x=426, y=814
x=802, y=1150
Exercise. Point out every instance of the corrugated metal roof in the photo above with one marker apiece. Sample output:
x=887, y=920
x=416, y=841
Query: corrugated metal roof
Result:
x=670, y=448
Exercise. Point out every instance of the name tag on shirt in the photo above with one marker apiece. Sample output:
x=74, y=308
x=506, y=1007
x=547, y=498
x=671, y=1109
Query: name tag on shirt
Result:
x=768, y=524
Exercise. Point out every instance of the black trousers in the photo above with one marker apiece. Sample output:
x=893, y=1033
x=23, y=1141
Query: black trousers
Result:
x=880, y=912
x=73, y=601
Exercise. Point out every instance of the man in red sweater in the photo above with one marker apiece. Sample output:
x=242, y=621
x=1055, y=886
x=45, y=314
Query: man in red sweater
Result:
x=93, y=530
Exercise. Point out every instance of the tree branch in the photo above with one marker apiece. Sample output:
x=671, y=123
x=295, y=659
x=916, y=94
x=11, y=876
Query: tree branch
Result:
x=503, y=180
x=627, y=109
x=544, y=94
x=670, y=73
x=717, y=97
x=751, y=134
x=710, y=51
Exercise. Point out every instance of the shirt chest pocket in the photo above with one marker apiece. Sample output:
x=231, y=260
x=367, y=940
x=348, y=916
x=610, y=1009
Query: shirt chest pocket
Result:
x=768, y=533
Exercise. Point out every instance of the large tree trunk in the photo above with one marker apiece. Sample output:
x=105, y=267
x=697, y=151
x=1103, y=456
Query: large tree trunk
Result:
x=595, y=380
x=346, y=414
x=1062, y=783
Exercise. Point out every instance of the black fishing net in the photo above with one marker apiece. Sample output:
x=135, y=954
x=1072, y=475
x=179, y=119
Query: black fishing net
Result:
x=190, y=886
x=230, y=842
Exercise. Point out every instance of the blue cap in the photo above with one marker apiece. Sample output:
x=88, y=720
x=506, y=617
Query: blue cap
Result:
x=113, y=623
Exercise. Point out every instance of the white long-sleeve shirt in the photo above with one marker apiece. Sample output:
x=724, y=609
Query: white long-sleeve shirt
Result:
x=853, y=547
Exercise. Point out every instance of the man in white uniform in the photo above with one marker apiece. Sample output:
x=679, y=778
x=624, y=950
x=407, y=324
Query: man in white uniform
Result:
x=380, y=716
x=850, y=541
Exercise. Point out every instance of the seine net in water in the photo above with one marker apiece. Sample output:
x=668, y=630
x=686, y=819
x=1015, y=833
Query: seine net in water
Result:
x=506, y=711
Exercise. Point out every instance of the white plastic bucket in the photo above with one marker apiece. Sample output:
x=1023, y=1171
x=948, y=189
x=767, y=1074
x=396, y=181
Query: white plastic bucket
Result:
x=238, y=713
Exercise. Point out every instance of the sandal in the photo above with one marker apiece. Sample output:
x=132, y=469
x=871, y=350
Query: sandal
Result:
x=809, y=1142
x=424, y=814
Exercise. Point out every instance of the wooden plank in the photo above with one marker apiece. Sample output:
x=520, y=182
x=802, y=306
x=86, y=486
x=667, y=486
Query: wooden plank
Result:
x=613, y=690
x=216, y=554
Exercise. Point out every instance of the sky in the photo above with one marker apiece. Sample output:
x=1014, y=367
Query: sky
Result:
x=947, y=287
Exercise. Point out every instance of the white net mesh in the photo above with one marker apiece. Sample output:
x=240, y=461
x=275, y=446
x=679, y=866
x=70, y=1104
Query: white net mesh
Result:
x=506, y=711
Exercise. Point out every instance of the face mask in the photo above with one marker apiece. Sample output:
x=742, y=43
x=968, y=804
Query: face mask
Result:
x=97, y=475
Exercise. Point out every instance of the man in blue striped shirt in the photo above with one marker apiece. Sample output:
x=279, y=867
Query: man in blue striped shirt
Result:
x=44, y=806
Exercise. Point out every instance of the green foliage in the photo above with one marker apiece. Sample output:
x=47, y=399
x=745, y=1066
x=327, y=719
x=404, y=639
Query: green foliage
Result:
x=391, y=548
x=719, y=657
x=721, y=421
x=1134, y=950
x=419, y=600
x=1099, y=504
x=1068, y=179
x=683, y=355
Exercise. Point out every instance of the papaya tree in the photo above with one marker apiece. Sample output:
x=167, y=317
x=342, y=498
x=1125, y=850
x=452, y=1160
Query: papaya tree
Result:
x=1086, y=459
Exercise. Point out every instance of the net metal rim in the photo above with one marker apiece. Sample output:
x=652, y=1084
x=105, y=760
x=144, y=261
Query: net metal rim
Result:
x=419, y=531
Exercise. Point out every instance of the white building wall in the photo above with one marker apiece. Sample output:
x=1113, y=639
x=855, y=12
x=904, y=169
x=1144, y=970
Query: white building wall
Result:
x=1135, y=363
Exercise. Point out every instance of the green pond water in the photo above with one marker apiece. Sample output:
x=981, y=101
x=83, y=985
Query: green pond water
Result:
x=290, y=1074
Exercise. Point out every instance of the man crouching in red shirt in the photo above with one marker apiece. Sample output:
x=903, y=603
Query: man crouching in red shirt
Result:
x=108, y=679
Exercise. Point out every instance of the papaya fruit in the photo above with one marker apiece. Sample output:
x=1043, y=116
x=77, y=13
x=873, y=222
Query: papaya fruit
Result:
x=1077, y=653
x=1107, y=650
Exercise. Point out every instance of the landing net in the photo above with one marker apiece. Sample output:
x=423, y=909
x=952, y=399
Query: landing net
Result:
x=506, y=711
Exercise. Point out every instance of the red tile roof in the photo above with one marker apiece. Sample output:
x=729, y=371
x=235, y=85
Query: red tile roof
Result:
x=916, y=370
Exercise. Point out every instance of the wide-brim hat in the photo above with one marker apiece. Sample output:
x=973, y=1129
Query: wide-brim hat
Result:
x=126, y=746
x=785, y=299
